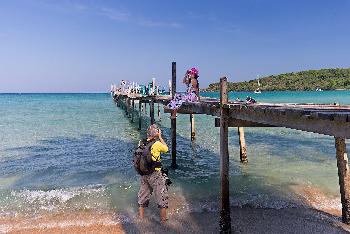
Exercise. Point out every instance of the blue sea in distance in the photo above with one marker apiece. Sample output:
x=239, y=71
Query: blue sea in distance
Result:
x=69, y=152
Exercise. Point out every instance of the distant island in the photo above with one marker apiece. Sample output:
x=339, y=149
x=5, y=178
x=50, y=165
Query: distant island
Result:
x=323, y=79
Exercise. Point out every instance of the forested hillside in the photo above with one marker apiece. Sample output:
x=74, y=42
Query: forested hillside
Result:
x=326, y=79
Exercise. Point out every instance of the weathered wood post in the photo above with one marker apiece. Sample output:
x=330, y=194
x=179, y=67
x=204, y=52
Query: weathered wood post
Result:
x=344, y=177
x=129, y=108
x=242, y=146
x=159, y=119
x=225, y=219
x=116, y=100
x=126, y=106
x=132, y=110
x=193, y=133
x=140, y=115
x=173, y=120
x=151, y=110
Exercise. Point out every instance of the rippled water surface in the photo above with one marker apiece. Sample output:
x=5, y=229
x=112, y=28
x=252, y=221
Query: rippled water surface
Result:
x=62, y=152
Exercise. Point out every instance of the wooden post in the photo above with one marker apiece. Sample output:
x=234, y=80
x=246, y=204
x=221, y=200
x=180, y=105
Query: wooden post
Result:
x=117, y=101
x=242, y=146
x=225, y=219
x=173, y=120
x=344, y=177
x=132, y=110
x=193, y=133
x=140, y=115
x=151, y=110
x=129, y=108
x=126, y=106
x=159, y=119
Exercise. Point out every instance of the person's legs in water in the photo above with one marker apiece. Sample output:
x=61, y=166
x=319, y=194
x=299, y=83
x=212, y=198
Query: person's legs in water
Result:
x=141, y=212
x=144, y=196
x=161, y=192
x=163, y=218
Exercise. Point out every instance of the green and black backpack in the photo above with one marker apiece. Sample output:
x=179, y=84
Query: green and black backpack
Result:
x=143, y=162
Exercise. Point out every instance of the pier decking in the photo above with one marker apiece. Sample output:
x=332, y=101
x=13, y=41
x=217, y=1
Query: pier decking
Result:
x=327, y=119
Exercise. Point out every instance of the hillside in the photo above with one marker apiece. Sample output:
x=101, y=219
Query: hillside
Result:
x=326, y=79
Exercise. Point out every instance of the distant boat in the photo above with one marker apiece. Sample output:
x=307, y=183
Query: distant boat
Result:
x=318, y=89
x=257, y=90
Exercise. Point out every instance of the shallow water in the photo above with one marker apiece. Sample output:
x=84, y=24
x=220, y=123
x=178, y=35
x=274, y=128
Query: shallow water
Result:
x=64, y=152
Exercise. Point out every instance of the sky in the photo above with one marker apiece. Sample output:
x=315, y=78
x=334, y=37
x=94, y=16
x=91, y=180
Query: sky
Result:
x=84, y=46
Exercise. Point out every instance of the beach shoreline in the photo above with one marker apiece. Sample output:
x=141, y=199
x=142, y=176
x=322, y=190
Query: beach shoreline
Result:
x=316, y=212
x=244, y=220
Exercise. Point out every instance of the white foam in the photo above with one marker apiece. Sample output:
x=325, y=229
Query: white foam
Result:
x=55, y=199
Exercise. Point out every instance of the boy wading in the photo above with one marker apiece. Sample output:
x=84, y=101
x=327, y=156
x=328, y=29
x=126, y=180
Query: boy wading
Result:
x=156, y=181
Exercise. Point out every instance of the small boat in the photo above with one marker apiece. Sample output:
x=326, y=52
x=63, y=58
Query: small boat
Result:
x=318, y=89
x=257, y=90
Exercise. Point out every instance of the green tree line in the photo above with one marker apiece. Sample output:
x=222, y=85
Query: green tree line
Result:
x=326, y=79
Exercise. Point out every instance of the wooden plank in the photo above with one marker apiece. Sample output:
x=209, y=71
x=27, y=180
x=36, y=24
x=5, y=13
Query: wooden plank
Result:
x=225, y=219
x=312, y=124
x=241, y=123
x=344, y=177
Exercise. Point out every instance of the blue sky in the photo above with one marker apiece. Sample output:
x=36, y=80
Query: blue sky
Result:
x=84, y=46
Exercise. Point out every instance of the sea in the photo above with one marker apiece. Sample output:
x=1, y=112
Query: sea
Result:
x=63, y=153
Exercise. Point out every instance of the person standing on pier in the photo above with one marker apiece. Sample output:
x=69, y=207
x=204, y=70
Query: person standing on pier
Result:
x=157, y=181
x=192, y=95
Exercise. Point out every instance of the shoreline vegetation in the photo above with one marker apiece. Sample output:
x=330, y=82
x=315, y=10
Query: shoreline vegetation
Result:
x=311, y=80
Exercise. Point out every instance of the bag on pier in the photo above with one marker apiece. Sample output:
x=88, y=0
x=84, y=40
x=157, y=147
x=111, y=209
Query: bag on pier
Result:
x=143, y=158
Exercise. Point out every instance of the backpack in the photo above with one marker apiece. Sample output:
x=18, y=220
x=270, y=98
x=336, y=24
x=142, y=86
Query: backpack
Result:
x=143, y=163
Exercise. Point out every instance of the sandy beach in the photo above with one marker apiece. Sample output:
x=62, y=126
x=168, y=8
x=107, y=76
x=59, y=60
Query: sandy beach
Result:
x=244, y=220
x=309, y=217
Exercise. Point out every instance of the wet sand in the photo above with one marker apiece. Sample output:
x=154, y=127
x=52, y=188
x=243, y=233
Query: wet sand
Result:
x=244, y=220
x=318, y=214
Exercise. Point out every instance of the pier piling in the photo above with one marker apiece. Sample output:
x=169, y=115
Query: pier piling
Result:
x=193, y=133
x=132, y=110
x=242, y=146
x=140, y=115
x=173, y=120
x=127, y=106
x=225, y=218
x=344, y=177
x=159, y=119
x=151, y=110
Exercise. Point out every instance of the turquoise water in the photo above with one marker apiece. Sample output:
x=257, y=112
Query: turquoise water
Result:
x=66, y=152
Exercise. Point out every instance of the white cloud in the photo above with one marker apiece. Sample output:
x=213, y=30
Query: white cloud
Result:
x=152, y=23
x=114, y=14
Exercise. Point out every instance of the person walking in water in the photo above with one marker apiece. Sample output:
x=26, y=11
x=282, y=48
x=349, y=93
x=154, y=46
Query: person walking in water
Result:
x=157, y=181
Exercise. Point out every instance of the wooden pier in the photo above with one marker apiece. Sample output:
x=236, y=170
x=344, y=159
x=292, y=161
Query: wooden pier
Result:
x=331, y=120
